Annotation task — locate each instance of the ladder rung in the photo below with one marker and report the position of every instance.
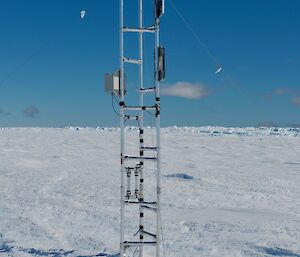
(143, 204)
(148, 207)
(133, 61)
(139, 108)
(133, 117)
(147, 90)
(126, 243)
(140, 158)
(148, 148)
(140, 30)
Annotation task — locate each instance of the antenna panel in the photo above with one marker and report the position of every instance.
(159, 8)
(161, 63)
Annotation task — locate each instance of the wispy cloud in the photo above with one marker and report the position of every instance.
(266, 96)
(186, 90)
(285, 91)
(31, 111)
(4, 112)
(292, 93)
(296, 100)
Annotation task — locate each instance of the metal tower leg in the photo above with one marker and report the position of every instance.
(141, 137)
(157, 101)
(122, 191)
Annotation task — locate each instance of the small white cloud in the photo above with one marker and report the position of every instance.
(186, 90)
(296, 100)
(31, 111)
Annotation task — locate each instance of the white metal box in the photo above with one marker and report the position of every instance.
(112, 83)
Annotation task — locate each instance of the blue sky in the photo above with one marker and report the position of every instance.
(52, 62)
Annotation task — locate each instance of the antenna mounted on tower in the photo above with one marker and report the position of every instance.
(159, 8)
(161, 63)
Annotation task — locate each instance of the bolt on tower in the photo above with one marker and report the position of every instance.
(134, 172)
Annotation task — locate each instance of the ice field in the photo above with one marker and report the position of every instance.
(227, 192)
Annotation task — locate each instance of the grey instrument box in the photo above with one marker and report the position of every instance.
(112, 83)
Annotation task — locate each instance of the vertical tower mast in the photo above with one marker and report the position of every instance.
(134, 167)
(122, 124)
(157, 102)
(141, 123)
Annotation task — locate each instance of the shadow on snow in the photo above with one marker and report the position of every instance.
(276, 251)
(4, 248)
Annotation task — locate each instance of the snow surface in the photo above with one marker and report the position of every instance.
(60, 191)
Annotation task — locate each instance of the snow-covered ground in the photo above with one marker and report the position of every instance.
(226, 191)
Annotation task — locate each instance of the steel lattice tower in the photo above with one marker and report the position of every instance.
(132, 167)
